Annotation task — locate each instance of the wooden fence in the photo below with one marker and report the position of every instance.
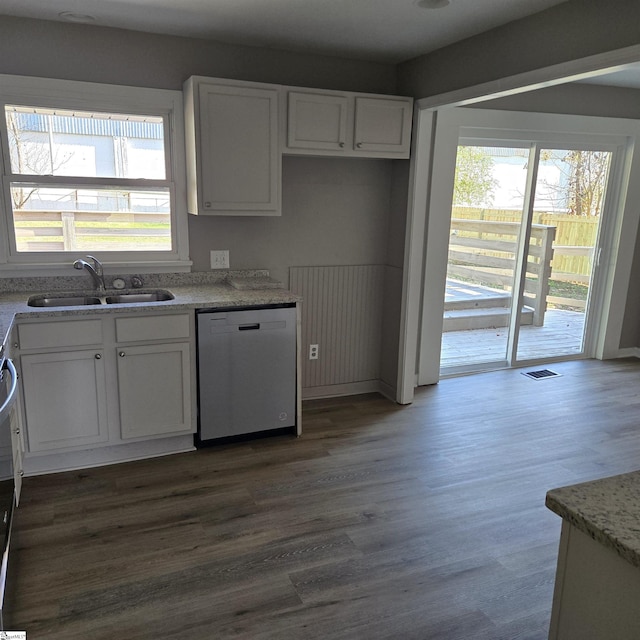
(92, 230)
(485, 251)
(575, 236)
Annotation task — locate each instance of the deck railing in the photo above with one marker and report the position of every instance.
(484, 251)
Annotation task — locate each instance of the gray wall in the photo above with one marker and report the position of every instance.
(568, 31)
(335, 212)
(116, 56)
(393, 275)
(576, 99)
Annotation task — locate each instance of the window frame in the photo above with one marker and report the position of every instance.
(100, 98)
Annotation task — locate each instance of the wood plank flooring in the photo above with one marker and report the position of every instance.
(381, 522)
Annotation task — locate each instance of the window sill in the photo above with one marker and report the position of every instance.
(116, 267)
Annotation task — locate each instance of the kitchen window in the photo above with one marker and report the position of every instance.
(106, 180)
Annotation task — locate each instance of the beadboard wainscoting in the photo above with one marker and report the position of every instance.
(342, 312)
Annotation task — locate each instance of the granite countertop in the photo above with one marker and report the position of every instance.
(191, 291)
(607, 510)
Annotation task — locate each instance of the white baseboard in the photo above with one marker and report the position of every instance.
(337, 390)
(628, 352)
(38, 464)
(388, 391)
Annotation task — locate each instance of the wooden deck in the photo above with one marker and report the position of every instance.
(561, 335)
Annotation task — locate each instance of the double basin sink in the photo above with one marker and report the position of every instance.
(78, 299)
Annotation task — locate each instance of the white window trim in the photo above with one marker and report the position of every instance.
(88, 96)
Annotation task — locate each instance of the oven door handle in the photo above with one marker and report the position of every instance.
(6, 406)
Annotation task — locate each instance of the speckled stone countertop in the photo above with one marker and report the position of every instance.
(192, 291)
(607, 510)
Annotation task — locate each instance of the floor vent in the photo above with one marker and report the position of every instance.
(541, 374)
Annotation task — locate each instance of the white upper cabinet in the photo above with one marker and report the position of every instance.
(383, 125)
(233, 155)
(348, 124)
(317, 121)
(236, 133)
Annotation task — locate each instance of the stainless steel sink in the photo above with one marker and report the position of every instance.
(158, 295)
(62, 300)
(82, 299)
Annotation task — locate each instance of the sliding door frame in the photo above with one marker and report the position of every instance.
(617, 248)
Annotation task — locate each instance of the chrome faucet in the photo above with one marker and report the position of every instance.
(95, 270)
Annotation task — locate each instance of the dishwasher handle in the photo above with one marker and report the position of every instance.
(249, 327)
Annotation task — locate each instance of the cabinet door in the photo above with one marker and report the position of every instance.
(239, 159)
(383, 125)
(154, 384)
(317, 121)
(65, 399)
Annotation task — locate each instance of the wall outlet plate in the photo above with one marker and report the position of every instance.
(220, 259)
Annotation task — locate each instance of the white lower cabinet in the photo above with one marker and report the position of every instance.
(154, 388)
(65, 399)
(134, 385)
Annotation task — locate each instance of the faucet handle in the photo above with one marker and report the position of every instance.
(97, 265)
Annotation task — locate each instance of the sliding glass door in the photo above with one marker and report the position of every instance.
(523, 238)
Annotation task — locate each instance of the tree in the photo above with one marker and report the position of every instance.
(583, 180)
(32, 153)
(474, 184)
(587, 181)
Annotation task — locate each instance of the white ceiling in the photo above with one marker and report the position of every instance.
(380, 30)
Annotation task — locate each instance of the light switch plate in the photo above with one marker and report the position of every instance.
(220, 259)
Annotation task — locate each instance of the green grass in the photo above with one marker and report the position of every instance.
(571, 290)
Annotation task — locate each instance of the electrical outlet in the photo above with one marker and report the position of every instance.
(313, 352)
(220, 259)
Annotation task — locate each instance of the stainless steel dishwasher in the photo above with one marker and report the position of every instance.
(246, 371)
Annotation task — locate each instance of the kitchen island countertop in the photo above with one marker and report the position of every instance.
(607, 510)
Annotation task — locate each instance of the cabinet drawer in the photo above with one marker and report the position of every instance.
(69, 333)
(166, 327)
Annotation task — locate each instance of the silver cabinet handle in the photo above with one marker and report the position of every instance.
(122, 354)
(207, 204)
(359, 145)
(341, 145)
(98, 356)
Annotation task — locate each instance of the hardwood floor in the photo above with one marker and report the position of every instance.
(420, 522)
